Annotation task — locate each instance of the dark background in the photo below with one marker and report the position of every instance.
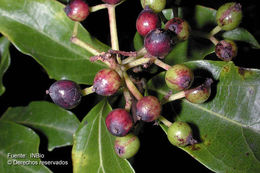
(26, 81)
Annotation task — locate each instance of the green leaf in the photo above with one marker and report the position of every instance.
(57, 124)
(204, 16)
(17, 139)
(241, 34)
(4, 60)
(41, 29)
(228, 125)
(93, 149)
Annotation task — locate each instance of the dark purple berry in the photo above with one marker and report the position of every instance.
(111, 1)
(179, 26)
(106, 82)
(148, 108)
(179, 77)
(119, 122)
(127, 146)
(159, 42)
(226, 50)
(147, 21)
(77, 10)
(65, 93)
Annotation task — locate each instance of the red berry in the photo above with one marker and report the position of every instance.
(119, 122)
(159, 42)
(179, 26)
(148, 108)
(111, 1)
(65, 93)
(226, 50)
(147, 21)
(106, 82)
(77, 10)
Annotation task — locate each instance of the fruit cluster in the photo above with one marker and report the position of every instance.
(158, 42)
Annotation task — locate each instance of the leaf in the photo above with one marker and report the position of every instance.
(41, 29)
(241, 34)
(57, 124)
(93, 149)
(26, 143)
(228, 125)
(204, 16)
(4, 60)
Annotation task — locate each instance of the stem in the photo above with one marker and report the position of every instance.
(132, 88)
(139, 53)
(113, 29)
(128, 100)
(87, 91)
(84, 45)
(165, 121)
(98, 7)
(137, 62)
(213, 40)
(215, 30)
(75, 29)
(177, 96)
(162, 64)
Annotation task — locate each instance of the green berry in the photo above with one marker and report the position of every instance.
(180, 134)
(226, 50)
(156, 5)
(127, 146)
(179, 77)
(199, 94)
(229, 16)
(180, 27)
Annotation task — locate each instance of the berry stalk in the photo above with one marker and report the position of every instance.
(98, 7)
(132, 88)
(87, 91)
(84, 45)
(164, 121)
(215, 30)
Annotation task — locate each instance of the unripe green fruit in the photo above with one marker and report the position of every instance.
(180, 27)
(180, 134)
(127, 146)
(179, 77)
(156, 5)
(199, 94)
(229, 16)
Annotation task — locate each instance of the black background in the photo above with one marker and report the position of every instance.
(26, 81)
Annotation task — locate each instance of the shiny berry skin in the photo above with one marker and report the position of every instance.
(229, 16)
(180, 134)
(77, 10)
(179, 26)
(179, 77)
(159, 42)
(199, 94)
(119, 122)
(226, 50)
(147, 21)
(148, 108)
(127, 146)
(156, 5)
(111, 1)
(65, 93)
(106, 82)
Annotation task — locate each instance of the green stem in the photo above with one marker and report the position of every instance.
(87, 91)
(132, 88)
(137, 63)
(140, 53)
(215, 30)
(128, 100)
(162, 64)
(213, 40)
(165, 121)
(177, 96)
(75, 29)
(84, 45)
(98, 7)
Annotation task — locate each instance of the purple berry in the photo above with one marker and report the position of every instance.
(147, 21)
(119, 122)
(179, 26)
(226, 50)
(111, 1)
(106, 82)
(148, 108)
(65, 93)
(159, 42)
(77, 10)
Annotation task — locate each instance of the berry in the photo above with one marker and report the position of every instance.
(226, 50)
(179, 77)
(65, 93)
(119, 122)
(229, 16)
(179, 26)
(148, 108)
(156, 5)
(180, 134)
(77, 10)
(106, 82)
(199, 94)
(127, 146)
(111, 1)
(159, 42)
(147, 21)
